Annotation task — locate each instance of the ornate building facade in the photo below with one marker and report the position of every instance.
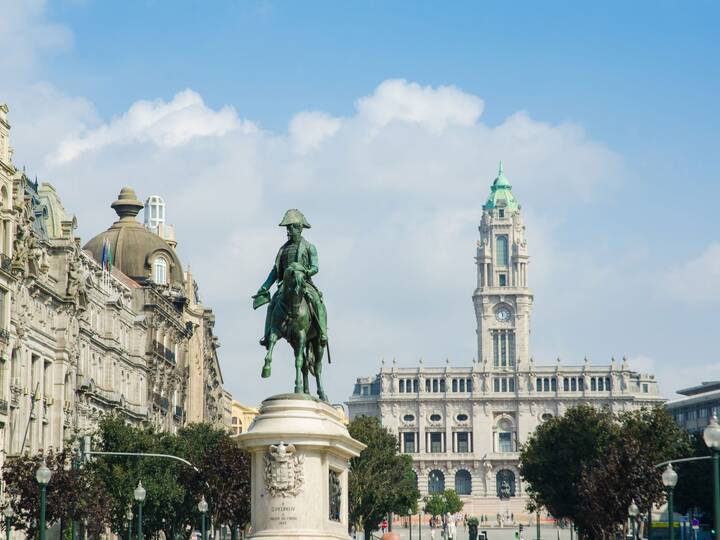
(114, 327)
(463, 426)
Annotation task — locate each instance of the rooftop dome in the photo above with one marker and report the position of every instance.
(501, 193)
(135, 251)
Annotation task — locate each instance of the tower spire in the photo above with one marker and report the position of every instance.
(500, 169)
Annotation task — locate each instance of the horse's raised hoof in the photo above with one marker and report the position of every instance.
(266, 371)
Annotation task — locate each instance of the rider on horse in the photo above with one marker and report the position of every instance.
(295, 250)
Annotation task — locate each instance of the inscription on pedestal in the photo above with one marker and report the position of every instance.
(283, 514)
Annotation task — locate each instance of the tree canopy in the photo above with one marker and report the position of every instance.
(439, 504)
(381, 480)
(588, 465)
(100, 492)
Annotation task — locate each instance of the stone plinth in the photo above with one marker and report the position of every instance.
(300, 450)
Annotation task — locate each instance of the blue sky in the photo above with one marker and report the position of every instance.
(614, 158)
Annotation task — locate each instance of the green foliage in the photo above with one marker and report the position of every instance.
(381, 480)
(173, 489)
(694, 488)
(453, 504)
(70, 494)
(589, 464)
(435, 505)
(439, 504)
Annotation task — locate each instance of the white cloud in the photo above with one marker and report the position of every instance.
(642, 363)
(698, 280)
(432, 108)
(164, 124)
(308, 129)
(26, 36)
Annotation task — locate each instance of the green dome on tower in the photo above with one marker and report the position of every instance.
(501, 193)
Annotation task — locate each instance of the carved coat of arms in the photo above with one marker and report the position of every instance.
(284, 476)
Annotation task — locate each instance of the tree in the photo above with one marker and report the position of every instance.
(694, 487)
(439, 504)
(381, 480)
(589, 465)
(553, 459)
(71, 494)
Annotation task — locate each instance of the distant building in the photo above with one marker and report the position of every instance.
(242, 417)
(463, 426)
(693, 412)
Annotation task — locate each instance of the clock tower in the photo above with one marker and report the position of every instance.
(502, 298)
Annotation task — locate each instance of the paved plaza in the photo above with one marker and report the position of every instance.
(547, 532)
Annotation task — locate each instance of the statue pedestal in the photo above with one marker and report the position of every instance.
(300, 450)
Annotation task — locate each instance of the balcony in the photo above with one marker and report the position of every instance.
(4, 335)
(162, 402)
(3, 406)
(162, 352)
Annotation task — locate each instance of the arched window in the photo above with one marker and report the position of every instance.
(160, 271)
(463, 482)
(501, 250)
(436, 482)
(505, 482)
(505, 436)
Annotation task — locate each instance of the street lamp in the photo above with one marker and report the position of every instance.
(712, 440)
(202, 508)
(43, 476)
(129, 517)
(669, 480)
(139, 494)
(9, 514)
(633, 511)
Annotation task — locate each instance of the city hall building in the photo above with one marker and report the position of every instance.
(463, 426)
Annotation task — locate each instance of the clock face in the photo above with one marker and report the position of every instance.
(503, 314)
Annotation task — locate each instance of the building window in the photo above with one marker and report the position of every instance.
(566, 384)
(505, 481)
(503, 348)
(573, 384)
(454, 385)
(160, 271)
(505, 442)
(501, 246)
(463, 482)
(463, 442)
(436, 442)
(402, 386)
(427, 385)
(435, 385)
(503, 280)
(501, 212)
(553, 384)
(234, 420)
(409, 446)
(435, 417)
(436, 482)
(415, 385)
(645, 388)
(504, 384)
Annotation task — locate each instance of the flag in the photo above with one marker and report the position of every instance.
(109, 258)
(103, 258)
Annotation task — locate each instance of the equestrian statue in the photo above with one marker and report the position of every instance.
(296, 311)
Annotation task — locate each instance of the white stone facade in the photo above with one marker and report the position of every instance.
(463, 426)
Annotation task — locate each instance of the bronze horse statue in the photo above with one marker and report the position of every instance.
(293, 320)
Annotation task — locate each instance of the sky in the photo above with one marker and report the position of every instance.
(384, 123)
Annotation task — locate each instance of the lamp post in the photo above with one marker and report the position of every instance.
(42, 476)
(129, 517)
(9, 514)
(202, 508)
(76, 467)
(669, 480)
(712, 440)
(633, 511)
(139, 494)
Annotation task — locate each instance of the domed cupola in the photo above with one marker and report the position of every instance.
(133, 249)
(501, 193)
